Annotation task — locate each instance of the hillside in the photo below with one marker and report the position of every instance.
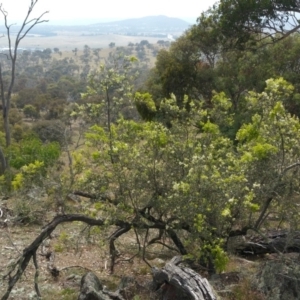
(151, 25)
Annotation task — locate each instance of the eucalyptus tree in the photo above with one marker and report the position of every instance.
(6, 90)
(241, 23)
(112, 84)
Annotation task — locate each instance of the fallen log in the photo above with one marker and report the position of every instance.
(173, 282)
(176, 281)
(276, 241)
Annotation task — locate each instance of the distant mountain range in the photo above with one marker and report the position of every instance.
(150, 21)
(152, 26)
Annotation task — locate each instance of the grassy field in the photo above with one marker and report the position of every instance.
(103, 54)
(67, 41)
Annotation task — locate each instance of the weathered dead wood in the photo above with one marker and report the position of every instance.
(179, 282)
(28, 253)
(92, 289)
(277, 241)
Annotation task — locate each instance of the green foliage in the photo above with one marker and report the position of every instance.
(154, 160)
(29, 174)
(26, 96)
(215, 252)
(51, 131)
(58, 247)
(63, 243)
(190, 173)
(19, 131)
(30, 150)
(113, 85)
(199, 63)
(241, 20)
(181, 71)
(15, 117)
(69, 294)
(30, 111)
(145, 105)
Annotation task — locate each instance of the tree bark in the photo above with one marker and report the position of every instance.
(178, 282)
(3, 162)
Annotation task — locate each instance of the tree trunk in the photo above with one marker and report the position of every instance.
(6, 125)
(3, 162)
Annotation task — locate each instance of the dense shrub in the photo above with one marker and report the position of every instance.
(51, 131)
(32, 149)
(31, 112)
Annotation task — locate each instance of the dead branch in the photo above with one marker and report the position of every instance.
(112, 247)
(36, 276)
(26, 26)
(29, 252)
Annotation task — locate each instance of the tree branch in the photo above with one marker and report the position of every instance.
(30, 251)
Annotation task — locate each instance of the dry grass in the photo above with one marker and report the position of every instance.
(67, 41)
(76, 251)
(245, 291)
(237, 264)
(245, 270)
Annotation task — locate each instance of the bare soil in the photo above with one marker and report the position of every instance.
(76, 251)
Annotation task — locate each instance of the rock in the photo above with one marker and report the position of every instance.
(222, 281)
(70, 277)
(280, 280)
(157, 262)
(32, 295)
(92, 289)
(73, 198)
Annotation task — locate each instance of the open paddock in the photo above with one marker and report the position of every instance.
(67, 41)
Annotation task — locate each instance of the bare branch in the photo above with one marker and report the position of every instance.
(28, 252)
(112, 248)
(297, 164)
(166, 245)
(36, 21)
(36, 276)
(269, 199)
(144, 249)
(26, 26)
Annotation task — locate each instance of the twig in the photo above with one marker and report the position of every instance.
(137, 239)
(28, 252)
(36, 276)
(144, 248)
(167, 246)
(79, 237)
(128, 259)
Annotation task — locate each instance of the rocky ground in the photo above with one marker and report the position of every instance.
(75, 250)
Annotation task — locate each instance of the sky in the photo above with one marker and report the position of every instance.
(107, 10)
